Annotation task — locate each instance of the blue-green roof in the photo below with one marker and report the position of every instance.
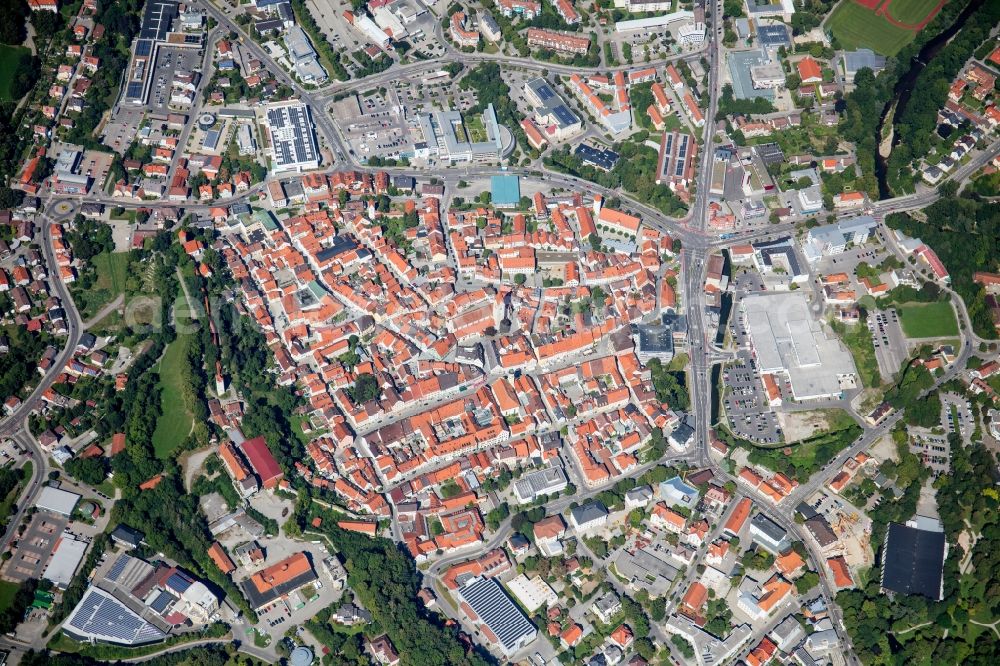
(505, 190)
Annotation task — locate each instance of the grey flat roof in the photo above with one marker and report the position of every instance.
(786, 337)
(57, 500)
(740, 63)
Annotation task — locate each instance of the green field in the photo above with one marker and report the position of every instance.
(9, 56)
(911, 11)
(928, 320)
(111, 271)
(7, 592)
(857, 27)
(176, 422)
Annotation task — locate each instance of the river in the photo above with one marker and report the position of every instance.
(904, 87)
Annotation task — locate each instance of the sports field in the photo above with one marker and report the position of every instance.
(857, 27)
(928, 320)
(910, 12)
(9, 57)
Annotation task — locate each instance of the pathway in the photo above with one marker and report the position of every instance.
(105, 311)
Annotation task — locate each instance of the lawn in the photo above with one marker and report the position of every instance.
(857, 27)
(476, 129)
(928, 320)
(112, 272)
(7, 592)
(176, 422)
(911, 11)
(858, 340)
(9, 56)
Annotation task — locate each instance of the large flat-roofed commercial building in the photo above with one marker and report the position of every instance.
(303, 57)
(543, 482)
(293, 143)
(65, 560)
(457, 139)
(913, 561)
(551, 112)
(787, 339)
(833, 239)
(57, 501)
(501, 621)
(157, 18)
(853, 62)
(101, 617)
(655, 341)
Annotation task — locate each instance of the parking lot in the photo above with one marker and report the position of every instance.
(888, 340)
(749, 414)
(35, 547)
(169, 61)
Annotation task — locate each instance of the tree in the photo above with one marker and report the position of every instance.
(806, 582)
(92, 470)
(366, 387)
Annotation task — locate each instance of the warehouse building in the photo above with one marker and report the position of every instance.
(786, 339)
(499, 618)
(913, 561)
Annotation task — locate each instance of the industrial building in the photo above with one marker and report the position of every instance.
(913, 561)
(501, 621)
(293, 142)
(786, 339)
(101, 617)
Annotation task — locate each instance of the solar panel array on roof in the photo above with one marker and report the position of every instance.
(605, 159)
(292, 137)
(544, 92)
(178, 582)
(913, 561)
(157, 18)
(212, 139)
(773, 35)
(682, 152)
(143, 47)
(101, 616)
(501, 615)
(564, 115)
(161, 602)
(117, 568)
